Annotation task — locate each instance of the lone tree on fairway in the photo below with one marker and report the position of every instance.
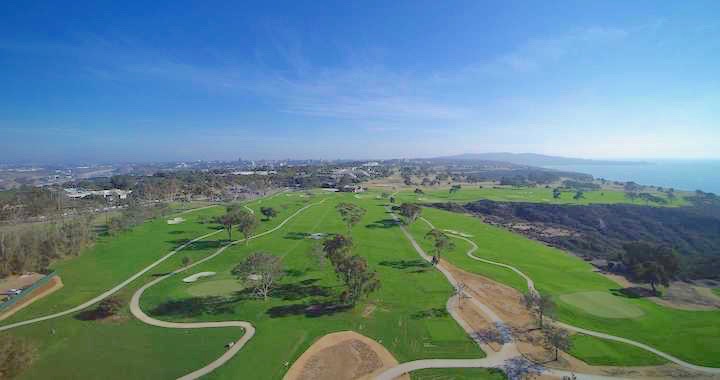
(247, 223)
(350, 213)
(410, 212)
(336, 247)
(578, 195)
(556, 339)
(556, 193)
(440, 241)
(352, 270)
(392, 199)
(261, 271)
(651, 264)
(230, 219)
(418, 191)
(268, 212)
(539, 306)
(454, 189)
(186, 260)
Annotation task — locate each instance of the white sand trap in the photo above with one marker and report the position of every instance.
(318, 235)
(177, 220)
(196, 276)
(254, 277)
(458, 233)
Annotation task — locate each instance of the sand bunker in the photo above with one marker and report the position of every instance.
(342, 355)
(196, 276)
(177, 220)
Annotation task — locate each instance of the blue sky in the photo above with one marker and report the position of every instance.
(141, 81)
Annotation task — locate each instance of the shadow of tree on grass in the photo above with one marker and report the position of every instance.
(310, 310)
(383, 223)
(193, 307)
(405, 264)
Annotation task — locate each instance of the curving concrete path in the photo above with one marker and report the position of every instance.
(493, 359)
(118, 287)
(532, 289)
(137, 311)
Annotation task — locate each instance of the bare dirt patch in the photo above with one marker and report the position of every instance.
(19, 281)
(54, 284)
(342, 355)
(507, 303)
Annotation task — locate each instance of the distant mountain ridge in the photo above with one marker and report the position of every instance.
(534, 159)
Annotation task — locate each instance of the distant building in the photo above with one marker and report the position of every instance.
(79, 193)
(351, 189)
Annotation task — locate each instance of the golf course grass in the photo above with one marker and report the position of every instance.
(224, 287)
(525, 194)
(458, 374)
(693, 336)
(596, 351)
(602, 304)
(402, 314)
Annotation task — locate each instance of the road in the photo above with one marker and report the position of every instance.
(248, 328)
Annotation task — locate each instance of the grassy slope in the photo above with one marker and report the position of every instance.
(716, 291)
(405, 293)
(523, 194)
(129, 349)
(690, 335)
(604, 352)
(82, 349)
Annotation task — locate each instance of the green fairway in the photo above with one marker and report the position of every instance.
(299, 312)
(525, 194)
(596, 351)
(602, 304)
(458, 374)
(397, 315)
(693, 336)
(214, 288)
(716, 291)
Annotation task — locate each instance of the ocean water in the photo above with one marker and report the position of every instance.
(682, 175)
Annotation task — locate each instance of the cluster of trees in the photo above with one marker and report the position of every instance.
(351, 214)
(409, 212)
(351, 269)
(236, 216)
(35, 247)
(49, 202)
(650, 264)
(134, 215)
(16, 355)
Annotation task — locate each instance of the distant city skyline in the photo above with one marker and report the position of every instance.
(184, 81)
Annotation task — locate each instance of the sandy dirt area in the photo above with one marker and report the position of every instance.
(54, 284)
(342, 355)
(507, 303)
(20, 281)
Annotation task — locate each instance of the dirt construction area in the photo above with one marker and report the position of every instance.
(508, 304)
(54, 284)
(342, 355)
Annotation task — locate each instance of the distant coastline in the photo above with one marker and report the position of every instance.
(687, 175)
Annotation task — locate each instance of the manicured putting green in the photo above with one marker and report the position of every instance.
(602, 305)
(215, 288)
